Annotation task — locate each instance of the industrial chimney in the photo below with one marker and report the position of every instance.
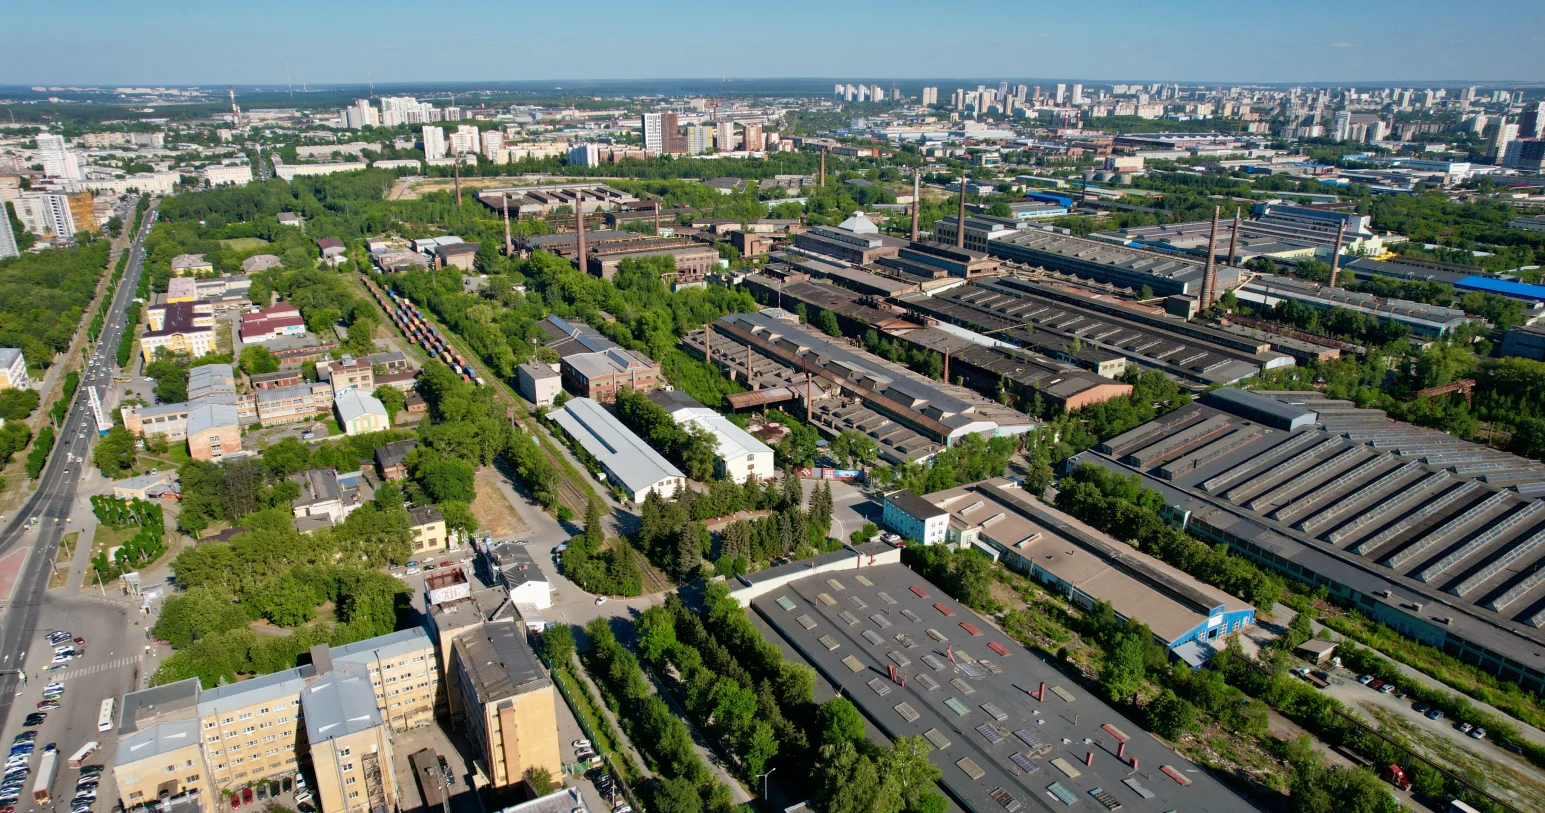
(1335, 259)
(1233, 240)
(1210, 273)
(917, 200)
(960, 221)
(579, 232)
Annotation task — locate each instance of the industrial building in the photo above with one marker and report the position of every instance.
(1045, 317)
(1424, 321)
(1439, 538)
(909, 417)
(1103, 262)
(859, 248)
(624, 458)
(544, 199)
(1008, 731)
(1086, 566)
(1525, 342)
(601, 375)
(1276, 230)
(738, 455)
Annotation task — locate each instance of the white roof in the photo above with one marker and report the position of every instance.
(734, 442)
(625, 455)
(353, 403)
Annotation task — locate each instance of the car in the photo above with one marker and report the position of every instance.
(1435, 714)
(1464, 728)
(413, 563)
(26, 736)
(87, 794)
(580, 744)
(305, 807)
(1301, 671)
(246, 795)
(584, 755)
(1478, 733)
(302, 796)
(235, 801)
(1421, 708)
(57, 667)
(54, 687)
(80, 641)
(1365, 679)
(399, 575)
(48, 705)
(62, 657)
(84, 786)
(412, 570)
(1388, 688)
(599, 600)
(300, 780)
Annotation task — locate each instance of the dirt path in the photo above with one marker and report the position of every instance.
(495, 515)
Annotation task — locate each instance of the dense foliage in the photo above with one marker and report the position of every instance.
(44, 296)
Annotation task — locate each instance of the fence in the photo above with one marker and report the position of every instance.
(618, 775)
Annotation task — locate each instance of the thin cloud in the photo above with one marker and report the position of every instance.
(1338, 45)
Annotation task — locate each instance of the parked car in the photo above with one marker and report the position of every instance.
(1388, 688)
(1365, 679)
(1464, 728)
(1435, 714)
(1421, 708)
(580, 743)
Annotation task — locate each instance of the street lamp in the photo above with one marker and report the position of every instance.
(765, 797)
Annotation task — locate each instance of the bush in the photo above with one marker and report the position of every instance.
(39, 454)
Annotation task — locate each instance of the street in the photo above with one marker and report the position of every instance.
(29, 612)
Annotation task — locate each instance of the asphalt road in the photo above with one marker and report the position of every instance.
(106, 669)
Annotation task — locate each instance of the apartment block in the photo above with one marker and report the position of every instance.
(508, 700)
(13, 369)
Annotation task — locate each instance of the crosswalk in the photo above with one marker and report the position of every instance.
(116, 663)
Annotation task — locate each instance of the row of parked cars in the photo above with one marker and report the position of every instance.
(1430, 711)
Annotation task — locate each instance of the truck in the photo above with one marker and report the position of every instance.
(1396, 776)
(79, 758)
(1456, 806)
(46, 772)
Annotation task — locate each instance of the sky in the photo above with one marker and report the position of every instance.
(334, 42)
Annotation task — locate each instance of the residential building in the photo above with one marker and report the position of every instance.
(508, 702)
(626, 460)
(654, 132)
(214, 431)
(181, 327)
(434, 143)
(58, 160)
(324, 496)
(391, 459)
(538, 383)
(585, 155)
(13, 369)
(301, 402)
(930, 96)
(191, 265)
(360, 413)
(226, 174)
(914, 518)
(347, 373)
(46, 213)
(428, 526)
(8, 246)
(600, 375)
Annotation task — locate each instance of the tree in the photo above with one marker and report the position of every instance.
(689, 549)
(839, 721)
(458, 516)
(393, 399)
(827, 322)
(257, 360)
(1170, 715)
(114, 453)
(907, 764)
(1123, 671)
(678, 795)
(442, 478)
(558, 644)
(1000, 209)
(540, 780)
(595, 531)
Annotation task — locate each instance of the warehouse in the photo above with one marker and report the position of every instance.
(1424, 321)
(1086, 566)
(625, 459)
(1522, 291)
(1008, 731)
(1442, 539)
(1103, 262)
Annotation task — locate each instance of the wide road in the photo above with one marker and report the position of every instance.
(55, 496)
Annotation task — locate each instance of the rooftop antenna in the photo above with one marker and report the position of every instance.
(287, 82)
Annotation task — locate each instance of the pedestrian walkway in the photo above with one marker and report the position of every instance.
(116, 663)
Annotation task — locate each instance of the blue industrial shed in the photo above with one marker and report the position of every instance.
(1503, 287)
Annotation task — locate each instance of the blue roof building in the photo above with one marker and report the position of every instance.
(1503, 287)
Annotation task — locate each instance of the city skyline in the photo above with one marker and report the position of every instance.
(354, 43)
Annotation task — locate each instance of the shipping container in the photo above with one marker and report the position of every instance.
(79, 757)
(46, 771)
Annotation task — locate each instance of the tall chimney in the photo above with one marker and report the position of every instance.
(708, 342)
(1210, 274)
(1233, 240)
(657, 218)
(456, 169)
(823, 166)
(579, 232)
(749, 385)
(916, 200)
(508, 247)
(960, 221)
(808, 408)
(946, 364)
(1335, 259)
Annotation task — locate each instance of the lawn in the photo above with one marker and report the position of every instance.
(244, 243)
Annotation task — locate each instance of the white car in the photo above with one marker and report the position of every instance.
(599, 600)
(580, 744)
(412, 570)
(61, 658)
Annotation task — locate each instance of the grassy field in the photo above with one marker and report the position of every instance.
(1498, 775)
(244, 243)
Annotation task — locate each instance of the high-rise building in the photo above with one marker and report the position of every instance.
(56, 157)
(361, 114)
(724, 136)
(7, 234)
(876, 93)
(1062, 93)
(466, 139)
(751, 138)
(930, 96)
(46, 213)
(1532, 123)
(451, 113)
(584, 155)
(1506, 133)
(493, 142)
(1078, 94)
(958, 99)
(673, 142)
(699, 139)
(434, 143)
(1343, 125)
(654, 139)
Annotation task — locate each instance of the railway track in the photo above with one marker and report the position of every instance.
(569, 494)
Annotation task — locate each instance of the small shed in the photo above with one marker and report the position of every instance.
(1317, 651)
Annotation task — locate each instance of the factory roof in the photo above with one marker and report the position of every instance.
(615, 361)
(1103, 253)
(1508, 288)
(968, 691)
(733, 442)
(623, 453)
(569, 337)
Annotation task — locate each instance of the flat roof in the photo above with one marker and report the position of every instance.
(157, 702)
(624, 454)
(239, 695)
(971, 701)
(500, 661)
(914, 505)
(340, 703)
(389, 645)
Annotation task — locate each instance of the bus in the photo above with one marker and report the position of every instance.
(105, 716)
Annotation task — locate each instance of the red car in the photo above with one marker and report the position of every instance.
(235, 801)
(246, 795)
(1376, 684)
(79, 640)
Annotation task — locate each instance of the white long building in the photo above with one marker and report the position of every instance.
(625, 459)
(738, 454)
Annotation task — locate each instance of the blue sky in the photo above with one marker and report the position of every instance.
(329, 42)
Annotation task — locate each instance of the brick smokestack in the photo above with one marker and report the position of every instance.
(1233, 240)
(960, 220)
(1210, 273)
(809, 390)
(917, 200)
(708, 342)
(579, 231)
(508, 247)
(657, 218)
(749, 385)
(823, 166)
(1335, 259)
(946, 379)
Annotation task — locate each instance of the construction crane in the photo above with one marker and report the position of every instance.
(1464, 386)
